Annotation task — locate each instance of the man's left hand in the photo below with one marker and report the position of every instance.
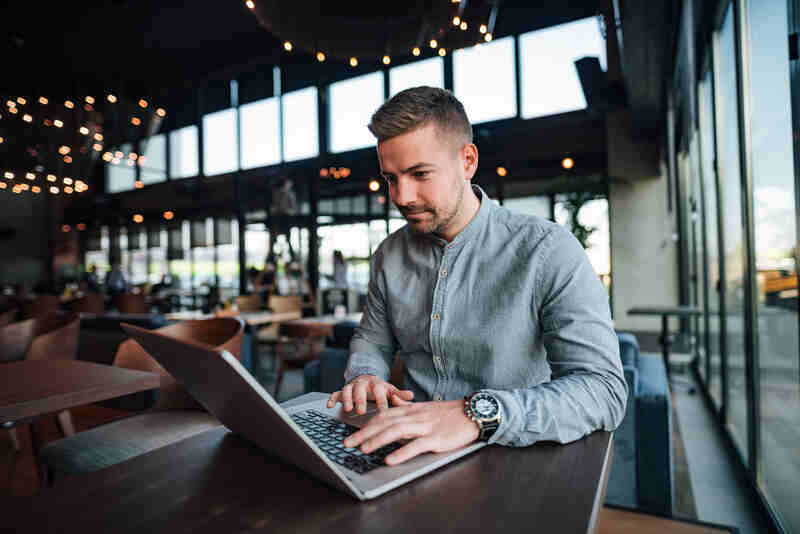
(432, 427)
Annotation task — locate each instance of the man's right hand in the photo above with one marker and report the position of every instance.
(362, 388)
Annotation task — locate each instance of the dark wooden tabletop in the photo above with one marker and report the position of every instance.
(35, 387)
(218, 482)
(679, 311)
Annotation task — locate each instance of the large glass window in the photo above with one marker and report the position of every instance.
(352, 103)
(353, 242)
(183, 153)
(426, 72)
(708, 155)
(153, 168)
(219, 142)
(261, 142)
(535, 205)
(300, 124)
(121, 176)
(484, 80)
(774, 213)
(549, 80)
(731, 209)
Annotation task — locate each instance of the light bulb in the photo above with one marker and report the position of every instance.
(456, 21)
(353, 62)
(434, 43)
(111, 98)
(415, 51)
(320, 56)
(386, 60)
(482, 28)
(287, 45)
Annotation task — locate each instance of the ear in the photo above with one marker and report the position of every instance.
(469, 159)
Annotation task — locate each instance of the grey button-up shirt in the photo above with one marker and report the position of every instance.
(511, 305)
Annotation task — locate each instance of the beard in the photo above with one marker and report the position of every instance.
(440, 218)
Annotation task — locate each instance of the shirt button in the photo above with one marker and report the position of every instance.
(435, 316)
(444, 272)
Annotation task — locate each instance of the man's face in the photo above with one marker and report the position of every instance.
(428, 173)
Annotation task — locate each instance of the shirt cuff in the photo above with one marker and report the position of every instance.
(511, 419)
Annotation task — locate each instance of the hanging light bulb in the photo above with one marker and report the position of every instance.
(57, 123)
(51, 177)
(21, 101)
(27, 118)
(320, 56)
(138, 218)
(386, 60)
(84, 130)
(9, 175)
(456, 21)
(67, 180)
(36, 189)
(3, 185)
(463, 25)
(69, 104)
(43, 101)
(90, 100)
(434, 43)
(168, 215)
(353, 62)
(64, 150)
(142, 103)
(482, 28)
(30, 176)
(139, 184)
(487, 37)
(442, 52)
(287, 45)
(97, 147)
(67, 159)
(415, 51)
(567, 163)
(136, 121)
(374, 185)
(98, 137)
(250, 4)
(54, 190)
(160, 112)
(81, 227)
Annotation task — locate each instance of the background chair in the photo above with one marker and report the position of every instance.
(89, 303)
(38, 306)
(300, 344)
(130, 303)
(168, 416)
(252, 302)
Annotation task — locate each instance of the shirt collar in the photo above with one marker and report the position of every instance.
(473, 227)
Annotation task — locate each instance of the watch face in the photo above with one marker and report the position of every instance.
(485, 406)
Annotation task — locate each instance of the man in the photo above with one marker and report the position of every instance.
(478, 302)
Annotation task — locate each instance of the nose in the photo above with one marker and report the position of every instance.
(403, 192)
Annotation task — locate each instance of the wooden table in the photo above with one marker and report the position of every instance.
(36, 387)
(323, 324)
(218, 482)
(253, 318)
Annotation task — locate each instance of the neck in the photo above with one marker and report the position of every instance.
(469, 208)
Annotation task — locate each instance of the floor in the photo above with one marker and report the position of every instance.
(719, 495)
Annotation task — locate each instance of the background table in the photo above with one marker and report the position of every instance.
(36, 387)
(218, 482)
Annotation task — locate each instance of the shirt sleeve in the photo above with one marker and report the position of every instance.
(587, 391)
(374, 345)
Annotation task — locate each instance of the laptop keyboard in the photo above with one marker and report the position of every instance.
(328, 434)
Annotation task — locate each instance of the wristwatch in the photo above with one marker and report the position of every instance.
(484, 409)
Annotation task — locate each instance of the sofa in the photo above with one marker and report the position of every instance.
(641, 470)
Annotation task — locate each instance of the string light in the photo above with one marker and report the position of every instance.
(57, 123)
(108, 156)
(36, 189)
(456, 21)
(463, 25)
(30, 176)
(320, 56)
(386, 60)
(118, 154)
(51, 177)
(501, 171)
(3, 185)
(65, 228)
(21, 101)
(353, 62)
(98, 137)
(133, 156)
(48, 122)
(136, 121)
(567, 163)
(482, 28)
(13, 111)
(168, 215)
(54, 190)
(111, 98)
(142, 103)
(442, 52)
(11, 103)
(27, 118)
(69, 104)
(138, 218)
(287, 45)
(250, 4)
(374, 185)
(81, 227)
(90, 100)
(67, 159)
(139, 184)
(68, 180)
(68, 190)
(160, 112)
(84, 130)
(434, 43)
(1, 140)
(43, 101)
(415, 51)
(487, 37)
(63, 150)
(97, 147)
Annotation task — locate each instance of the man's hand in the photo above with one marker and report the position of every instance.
(369, 387)
(432, 427)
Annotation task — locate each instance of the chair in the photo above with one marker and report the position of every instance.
(8, 316)
(38, 306)
(308, 340)
(89, 303)
(130, 303)
(270, 334)
(171, 416)
(252, 302)
(15, 338)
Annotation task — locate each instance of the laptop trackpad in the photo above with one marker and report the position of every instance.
(357, 420)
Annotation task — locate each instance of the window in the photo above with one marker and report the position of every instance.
(426, 72)
(775, 237)
(300, 124)
(183, 153)
(260, 131)
(352, 103)
(484, 80)
(154, 167)
(549, 80)
(120, 176)
(536, 205)
(219, 142)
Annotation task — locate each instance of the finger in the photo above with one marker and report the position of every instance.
(381, 393)
(377, 424)
(334, 398)
(405, 394)
(411, 450)
(394, 433)
(360, 396)
(347, 397)
(397, 400)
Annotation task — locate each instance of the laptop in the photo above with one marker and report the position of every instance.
(308, 435)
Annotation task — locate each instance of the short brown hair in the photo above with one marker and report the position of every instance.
(416, 107)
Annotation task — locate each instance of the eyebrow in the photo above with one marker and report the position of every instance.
(414, 167)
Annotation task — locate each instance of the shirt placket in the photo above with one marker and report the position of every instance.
(437, 313)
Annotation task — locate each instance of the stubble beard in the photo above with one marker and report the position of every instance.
(441, 218)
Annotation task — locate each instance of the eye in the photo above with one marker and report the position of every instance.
(421, 174)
